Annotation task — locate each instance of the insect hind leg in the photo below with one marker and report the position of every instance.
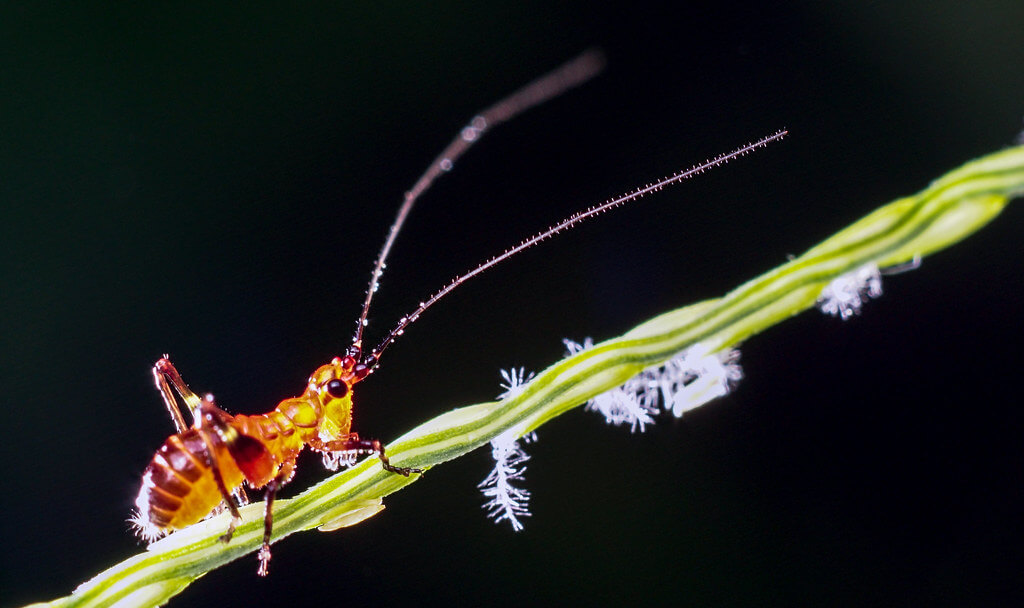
(164, 370)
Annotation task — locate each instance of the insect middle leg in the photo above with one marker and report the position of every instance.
(268, 515)
(206, 417)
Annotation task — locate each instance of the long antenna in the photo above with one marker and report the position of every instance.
(565, 224)
(563, 78)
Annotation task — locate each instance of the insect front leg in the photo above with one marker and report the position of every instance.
(352, 443)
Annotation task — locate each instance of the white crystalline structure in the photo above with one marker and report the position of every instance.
(140, 521)
(515, 381)
(844, 297)
(627, 404)
(695, 377)
(507, 501)
(686, 381)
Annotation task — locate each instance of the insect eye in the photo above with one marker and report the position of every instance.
(337, 389)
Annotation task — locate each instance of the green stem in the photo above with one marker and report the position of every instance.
(951, 208)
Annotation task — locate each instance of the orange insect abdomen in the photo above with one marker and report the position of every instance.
(178, 487)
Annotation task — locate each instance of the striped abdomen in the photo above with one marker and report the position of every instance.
(178, 487)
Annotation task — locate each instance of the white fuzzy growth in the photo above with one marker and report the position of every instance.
(686, 381)
(515, 381)
(628, 404)
(844, 297)
(695, 377)
(140, 521)
(506, 501)
(622, 406)
(144, 528)
(572, 347)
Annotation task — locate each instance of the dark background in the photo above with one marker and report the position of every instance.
(215, 184)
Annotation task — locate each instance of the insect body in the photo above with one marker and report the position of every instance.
(201, 466)
(207, 464)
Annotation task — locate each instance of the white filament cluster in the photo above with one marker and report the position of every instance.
(844, 297)
(693, 378)
(140, 521)
(628, 404)
(688, 380)
(507, 501)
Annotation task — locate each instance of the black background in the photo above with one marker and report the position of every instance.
(215, 183)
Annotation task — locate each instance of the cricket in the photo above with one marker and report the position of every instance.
(204, 467)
